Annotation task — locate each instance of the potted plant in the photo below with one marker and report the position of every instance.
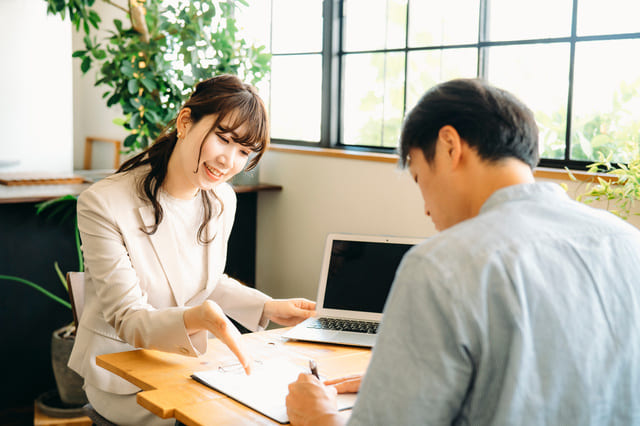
(68, 383)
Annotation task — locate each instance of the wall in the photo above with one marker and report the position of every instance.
(322, 195)
(35, 88)
(91, 117)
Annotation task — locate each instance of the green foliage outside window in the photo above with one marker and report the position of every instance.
(150, 62)
(598, 136)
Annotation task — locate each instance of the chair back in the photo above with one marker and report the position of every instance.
(75, 282)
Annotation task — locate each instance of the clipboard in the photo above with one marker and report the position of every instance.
(265, 389)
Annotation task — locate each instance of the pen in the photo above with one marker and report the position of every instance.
(313, 366)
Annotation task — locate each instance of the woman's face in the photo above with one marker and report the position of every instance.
(221, 159)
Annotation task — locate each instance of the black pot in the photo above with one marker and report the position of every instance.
(69, 383)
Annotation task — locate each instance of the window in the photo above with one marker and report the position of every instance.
(344, 73)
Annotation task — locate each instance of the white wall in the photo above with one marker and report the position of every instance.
(35, 88)
(91, 117)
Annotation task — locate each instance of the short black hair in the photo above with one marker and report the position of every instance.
(491, 120)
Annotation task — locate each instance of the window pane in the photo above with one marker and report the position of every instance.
(372, 99)
(606, 99)
(437, 22)
(374, 24)
(537, 75)
(296, 83)
(254, 24)
(297, 26)
(517, 20)
(608, 17)
(430, 67)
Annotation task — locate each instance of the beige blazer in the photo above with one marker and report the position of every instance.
(133, 294)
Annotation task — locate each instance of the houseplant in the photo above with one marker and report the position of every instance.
(619, 193)
(149, 64)
(68, 383)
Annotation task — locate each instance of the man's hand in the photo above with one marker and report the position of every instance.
(349, 384)
(310, 403)
(209, 316)
(288, 311)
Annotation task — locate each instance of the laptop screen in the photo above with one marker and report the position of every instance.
(361, 273)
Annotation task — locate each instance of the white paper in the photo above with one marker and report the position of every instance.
(265, 389)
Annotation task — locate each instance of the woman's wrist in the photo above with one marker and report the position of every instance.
(266, 313)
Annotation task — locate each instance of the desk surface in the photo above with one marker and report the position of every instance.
(168, 390)
(38, 193)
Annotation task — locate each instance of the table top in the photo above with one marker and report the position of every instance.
(38, 193)
(169, 391)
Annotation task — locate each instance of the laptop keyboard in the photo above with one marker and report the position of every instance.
(368, 327)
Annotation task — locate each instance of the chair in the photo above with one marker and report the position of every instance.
(75, 283)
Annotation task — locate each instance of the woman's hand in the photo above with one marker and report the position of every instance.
(209, 316)
(288, 311)
(348, 384)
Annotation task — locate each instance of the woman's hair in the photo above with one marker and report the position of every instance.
(235, 103)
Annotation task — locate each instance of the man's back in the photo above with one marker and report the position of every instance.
(528, 313)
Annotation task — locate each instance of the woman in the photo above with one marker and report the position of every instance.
(154, 238)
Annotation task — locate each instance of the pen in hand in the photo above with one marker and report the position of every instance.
(313, 366)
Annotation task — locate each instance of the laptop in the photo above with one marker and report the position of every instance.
(355, 279)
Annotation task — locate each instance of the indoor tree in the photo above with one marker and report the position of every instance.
(151, 60)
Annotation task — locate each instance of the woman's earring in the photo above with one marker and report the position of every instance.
(179, 135)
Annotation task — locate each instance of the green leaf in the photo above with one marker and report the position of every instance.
(99, 54)
(78, 53)
(149, 84)
(130, 140)
(133, 86)
(86, 64)
(113, 100)
(37, 287)
(135, 121)
(119, 121)
(151, 114)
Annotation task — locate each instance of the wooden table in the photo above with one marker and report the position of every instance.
(168, 390)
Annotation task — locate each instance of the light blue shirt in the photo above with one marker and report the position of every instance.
(527, 314)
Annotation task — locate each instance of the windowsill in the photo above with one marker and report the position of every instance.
(539, 172)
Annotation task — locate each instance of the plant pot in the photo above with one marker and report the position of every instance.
(69, 383)
(49, 404)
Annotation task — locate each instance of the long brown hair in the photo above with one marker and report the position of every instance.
(228, 97)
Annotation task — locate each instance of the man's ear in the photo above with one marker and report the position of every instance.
(451, 144)
(184, 120)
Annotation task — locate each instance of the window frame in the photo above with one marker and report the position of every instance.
(332, 75)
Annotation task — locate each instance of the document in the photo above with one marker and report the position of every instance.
(265, 389)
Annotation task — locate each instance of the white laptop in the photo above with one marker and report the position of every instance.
(355, 279)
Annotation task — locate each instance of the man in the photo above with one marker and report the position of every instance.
(524, 309)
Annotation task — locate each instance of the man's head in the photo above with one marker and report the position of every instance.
(490, 120)
(463, 141)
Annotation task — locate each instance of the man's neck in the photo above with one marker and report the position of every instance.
(486, 178)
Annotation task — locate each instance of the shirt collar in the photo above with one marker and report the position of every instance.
(538, 190)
